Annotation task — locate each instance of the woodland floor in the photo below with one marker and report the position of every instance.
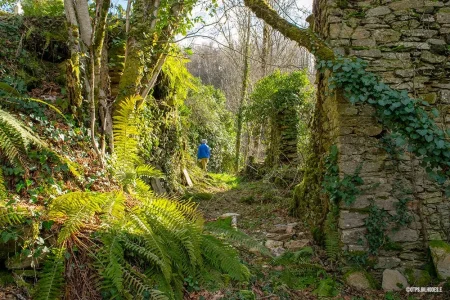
(262, 205)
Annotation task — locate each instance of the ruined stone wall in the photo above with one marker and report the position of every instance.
(407, 43)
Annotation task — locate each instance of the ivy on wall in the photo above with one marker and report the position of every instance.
(400, 113)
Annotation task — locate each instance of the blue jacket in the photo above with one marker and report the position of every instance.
(203, 151)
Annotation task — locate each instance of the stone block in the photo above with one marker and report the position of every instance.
(348, 220)
(406, 4)
(430, 97)
(393, 280)
(444, 96)
(443, 16)
(440, 253)
(404, 235)
(413, 45)
(296, 245)
(353, 236)
(273, 244)
(364, 43)
(420, 33)
(346, 32)
(278, 228)
(386, 35)
(387, 263)
(360, 33)
(358, 280)
(279, 237)
(334, 30)
(370, 130)
(405, 73)
(429, 57)
(378, 11)
(371, 53)
(404, 25)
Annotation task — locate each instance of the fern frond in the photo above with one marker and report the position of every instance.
(114, 205)
(142, 189)
(9, 90)
(332, 240)
(110, 259)
(222, 228)
(125, 133)
(3, 192)
(140, 284)
(143, 252)
(51, 282)
(223, 257)
(12, 215)
(76, 209)
(148, 171)
(15, 138)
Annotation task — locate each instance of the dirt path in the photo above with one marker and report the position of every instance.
(263, 210)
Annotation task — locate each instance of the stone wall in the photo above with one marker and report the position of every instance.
(407, 43)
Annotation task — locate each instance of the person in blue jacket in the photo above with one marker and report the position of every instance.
(203, 154)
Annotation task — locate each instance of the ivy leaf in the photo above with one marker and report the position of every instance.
(422, 151)
(435, 112)
(440, 144)
(422, 132)
(405, 101)
(428, 138)
(379, 87)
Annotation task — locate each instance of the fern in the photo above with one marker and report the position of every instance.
(128, 166)
(223, 257)
(15, 138)
(222, 228)
(77, 209)
(332, 240)
(9, 90)
(3, 192)
(12, 215)
(125, 133)
(51, 282)
(110, 258)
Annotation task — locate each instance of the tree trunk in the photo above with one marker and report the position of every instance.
(304, 37)
(74, 85)
(245, 79)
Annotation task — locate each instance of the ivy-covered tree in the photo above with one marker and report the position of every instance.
(149, 27)
(283, 99)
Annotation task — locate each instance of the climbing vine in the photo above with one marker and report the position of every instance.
(340, 190)
(400, 113)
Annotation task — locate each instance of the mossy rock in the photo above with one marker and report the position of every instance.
(417, 277)
(360, 279)
(440, 253)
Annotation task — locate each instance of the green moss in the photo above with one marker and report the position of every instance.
(440, 244)
(6, 278)
(372, 282)
(198, 196)
(393, 246)
(418, 277)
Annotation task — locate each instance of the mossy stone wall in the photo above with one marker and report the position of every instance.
(407, 44)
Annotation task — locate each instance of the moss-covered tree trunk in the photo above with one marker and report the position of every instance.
(304, 37)
(245, 80)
